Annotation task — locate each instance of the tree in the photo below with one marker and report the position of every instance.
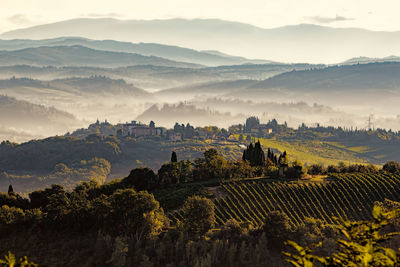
(136, 214)
(198, 215)
(11, 215)
(276, 228)
(315, 169)
(296, 170)
(141, 179)
(169, 173)
(333, 169)
(254, 154)
(251, 122)
(174, 157)
(283, 160)
(10, 189)
(392, 167)
(214, 164)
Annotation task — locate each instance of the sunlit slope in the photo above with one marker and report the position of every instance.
(346, 195)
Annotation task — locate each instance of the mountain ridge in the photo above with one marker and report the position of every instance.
(81, 56)
(170, 52)
(294, 43)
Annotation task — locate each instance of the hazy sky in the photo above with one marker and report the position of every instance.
(370, 14)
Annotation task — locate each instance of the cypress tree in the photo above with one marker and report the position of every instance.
(174, 158)
(254, 154)
(10, 189)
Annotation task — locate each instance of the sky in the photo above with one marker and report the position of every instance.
(369, 14)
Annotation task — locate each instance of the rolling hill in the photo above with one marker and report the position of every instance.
(22, 120)
(176, 53)
(361, 76)
(339, 78)
(298, 43)
(366, 60)
(152, 77)
(93, 85)
(80, 56)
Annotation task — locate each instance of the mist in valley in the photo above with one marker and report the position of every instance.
(54, 86)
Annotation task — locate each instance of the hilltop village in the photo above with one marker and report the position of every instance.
(179, 132)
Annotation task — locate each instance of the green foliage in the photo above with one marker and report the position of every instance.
(361, 244)
(277, 229)
(135, 214)
(198, 215)
(254, 154)
(67, 175)
(44, 154)
(11, 215)
(173, 197)
(141, 179)
(211, 167)
(169, 173)
(251, 122)
(315, 169)
(296, 170)
(392, 167)
(305, 257)
(11, 261)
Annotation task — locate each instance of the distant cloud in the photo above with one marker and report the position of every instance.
(105, 15)
(19, 19)
(327, 20)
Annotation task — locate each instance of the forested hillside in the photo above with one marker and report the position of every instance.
(192, 217)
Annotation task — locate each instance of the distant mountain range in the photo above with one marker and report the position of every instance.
(81, 56)
(364, 76)
(334, 78)
(208, 58)
(152, 77)
(299, 43)
(366, 60)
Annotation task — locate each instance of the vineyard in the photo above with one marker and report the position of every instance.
(349, 196)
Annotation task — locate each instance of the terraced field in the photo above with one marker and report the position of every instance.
(344, 195)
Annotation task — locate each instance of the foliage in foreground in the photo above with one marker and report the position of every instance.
(11, 261)
(361, 245)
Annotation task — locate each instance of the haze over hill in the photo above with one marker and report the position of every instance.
(210, 58)
(87, 98)
(299, 43)
(359, 77)
(80, 56)
(153, 78)
(21, 120)
(366, 60)
(167, 115)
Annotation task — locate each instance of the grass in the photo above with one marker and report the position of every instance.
(312, 151)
